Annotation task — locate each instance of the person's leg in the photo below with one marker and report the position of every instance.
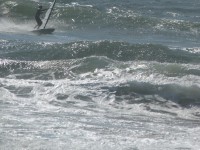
(39, 24)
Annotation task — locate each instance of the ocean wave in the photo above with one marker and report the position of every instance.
(51, 70)
(121, 51)
(163, 84)
(101, 67)
(130, 89)
(146, 93)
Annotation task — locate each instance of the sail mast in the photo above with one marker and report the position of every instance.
(48, 14)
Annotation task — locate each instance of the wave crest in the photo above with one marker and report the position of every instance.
(121, 51)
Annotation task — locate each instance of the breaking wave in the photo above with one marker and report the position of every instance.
(121, 51)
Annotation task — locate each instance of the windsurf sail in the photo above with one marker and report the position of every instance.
(47, 15)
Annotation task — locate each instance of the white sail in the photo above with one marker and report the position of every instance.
(47, 15)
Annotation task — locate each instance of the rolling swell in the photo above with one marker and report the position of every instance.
(121, 51)
(139, 92)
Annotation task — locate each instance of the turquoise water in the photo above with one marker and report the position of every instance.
(113, 75)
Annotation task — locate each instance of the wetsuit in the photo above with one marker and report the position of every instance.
(37, 17)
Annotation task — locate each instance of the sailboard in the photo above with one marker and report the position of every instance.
(43, 29)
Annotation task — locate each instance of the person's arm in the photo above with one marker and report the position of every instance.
(44, 10)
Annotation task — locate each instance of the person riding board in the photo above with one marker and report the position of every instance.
(37, 16)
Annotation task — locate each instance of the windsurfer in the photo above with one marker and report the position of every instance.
(37, 16)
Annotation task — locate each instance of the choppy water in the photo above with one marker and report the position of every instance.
(114, 75)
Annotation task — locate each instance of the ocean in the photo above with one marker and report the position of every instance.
(114, 75)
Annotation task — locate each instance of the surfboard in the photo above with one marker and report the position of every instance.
(43, 29)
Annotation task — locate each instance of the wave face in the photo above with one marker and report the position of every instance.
(121, 51)
(114, 75)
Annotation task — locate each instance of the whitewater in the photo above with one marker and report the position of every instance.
(115, 75)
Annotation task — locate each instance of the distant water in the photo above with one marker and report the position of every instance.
(115, 75)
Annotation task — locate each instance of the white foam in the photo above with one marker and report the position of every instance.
(9, 25)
